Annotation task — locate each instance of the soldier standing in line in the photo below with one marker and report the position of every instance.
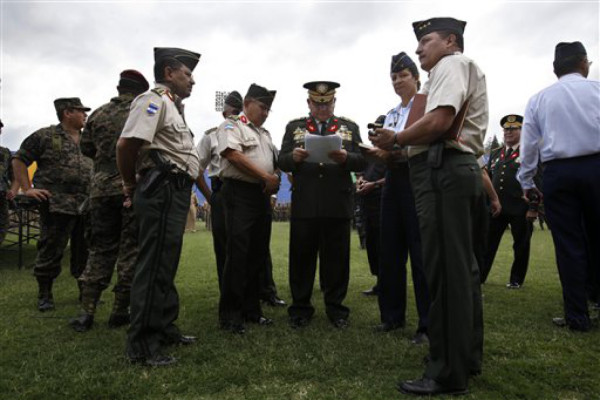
(248, 171)
(61, 184)
(450, 202)
(157, 144)
(113, 225)
(322, 197)
(502, 167)
(210, 158)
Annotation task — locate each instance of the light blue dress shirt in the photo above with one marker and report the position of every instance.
(397, 117)
(561, 121)
(396, 120)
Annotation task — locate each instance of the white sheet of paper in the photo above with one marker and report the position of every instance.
(318, 147)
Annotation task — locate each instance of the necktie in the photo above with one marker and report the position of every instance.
(323, 128)
(508, 152)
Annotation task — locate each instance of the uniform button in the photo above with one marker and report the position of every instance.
(320, 175)
(501, 180)
(321, 164)
(504, 166)
(501, 188)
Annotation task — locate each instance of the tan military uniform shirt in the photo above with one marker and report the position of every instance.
(238, 133)
(155, 118)
(453, 80)
(208, 153)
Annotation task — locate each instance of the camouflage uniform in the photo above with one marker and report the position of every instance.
(4, 166)
(114, 228)
(65, 172)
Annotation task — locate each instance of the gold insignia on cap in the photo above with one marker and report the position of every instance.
(424, 25)
(322, 88)
(512, 118)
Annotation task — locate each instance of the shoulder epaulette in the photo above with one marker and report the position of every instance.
(159, 91)
(298, 120)
(347, 119)
(211, 130)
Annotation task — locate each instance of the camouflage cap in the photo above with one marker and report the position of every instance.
(65, 103)
(425, 27)
(321, 91)
(186, 57)
(132, 79)
(261, 94)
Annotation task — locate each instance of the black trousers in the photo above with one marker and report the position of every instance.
(572, 204)
(400, 236)
(521, 230)
(217, 219)
(154, 300)
(329, 238)
(247, 211)
(219, 234)
(266, 282)
(372, 226)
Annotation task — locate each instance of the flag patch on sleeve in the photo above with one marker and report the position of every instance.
(152, 108)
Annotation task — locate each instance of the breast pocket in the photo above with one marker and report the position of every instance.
(182, 135)
(249, 142)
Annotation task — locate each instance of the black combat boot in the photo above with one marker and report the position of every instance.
(45, 298)
(89, 298)
(120, 312)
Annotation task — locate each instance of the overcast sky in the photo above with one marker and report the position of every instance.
(67, 49)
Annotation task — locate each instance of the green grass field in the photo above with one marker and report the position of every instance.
(525, 357)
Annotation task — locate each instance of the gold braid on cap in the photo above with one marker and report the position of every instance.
(321, 97)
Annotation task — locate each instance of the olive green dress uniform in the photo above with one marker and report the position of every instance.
(247, 215)
(65, 172)
(156, 119)
(322, 207)
(503, 166)
(114, 228)
(450, 204)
